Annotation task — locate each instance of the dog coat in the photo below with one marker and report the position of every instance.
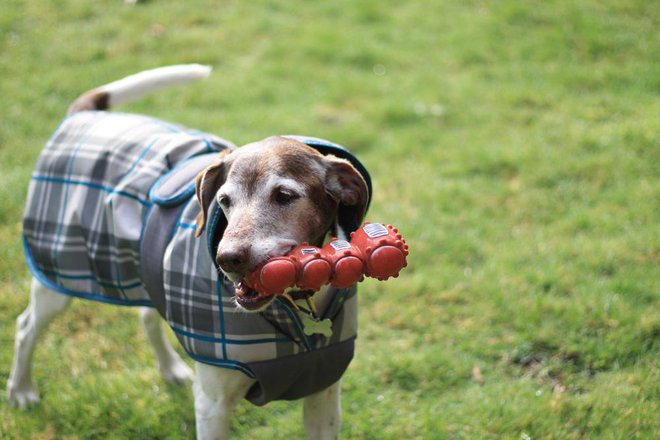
(110, 217)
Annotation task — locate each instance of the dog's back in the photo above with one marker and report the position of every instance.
(88, 198)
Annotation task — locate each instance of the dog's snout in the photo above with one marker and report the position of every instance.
(235, 259)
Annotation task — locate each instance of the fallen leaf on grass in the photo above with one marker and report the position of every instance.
(477, 376)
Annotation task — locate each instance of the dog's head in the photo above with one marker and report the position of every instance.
(276, 194)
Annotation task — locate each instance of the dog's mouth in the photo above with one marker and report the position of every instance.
(249, 299)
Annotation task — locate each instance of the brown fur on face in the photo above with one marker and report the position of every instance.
(251, 181)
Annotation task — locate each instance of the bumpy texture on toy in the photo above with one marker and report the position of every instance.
(375, 250)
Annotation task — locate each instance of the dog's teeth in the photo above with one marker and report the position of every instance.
(240, 289)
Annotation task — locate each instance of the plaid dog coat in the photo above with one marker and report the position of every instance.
(110, 217)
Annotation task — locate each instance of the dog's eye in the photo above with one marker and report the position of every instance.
(224, 201)
(283, 197)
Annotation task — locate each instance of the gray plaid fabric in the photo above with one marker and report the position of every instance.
(210, 326)
(87, 204)
(88, 197)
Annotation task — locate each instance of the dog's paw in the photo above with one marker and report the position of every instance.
(23, 396)
(177, 373)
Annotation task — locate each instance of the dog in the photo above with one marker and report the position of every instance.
(108, 190)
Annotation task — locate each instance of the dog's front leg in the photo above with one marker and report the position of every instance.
(217, 392)
(322, 413)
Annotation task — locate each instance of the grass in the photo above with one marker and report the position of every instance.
(515, 144)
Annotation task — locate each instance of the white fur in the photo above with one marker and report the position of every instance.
(171, 366)
(322, 413)
(44, 306)
(217, 392)
(285, 183)
(135, 86)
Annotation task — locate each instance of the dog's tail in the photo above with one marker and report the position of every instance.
(135, 86)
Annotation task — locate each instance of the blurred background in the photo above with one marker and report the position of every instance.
(515, 144)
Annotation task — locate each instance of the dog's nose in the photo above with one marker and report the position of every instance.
(234, 260)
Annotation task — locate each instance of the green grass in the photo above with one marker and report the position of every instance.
(516, 144)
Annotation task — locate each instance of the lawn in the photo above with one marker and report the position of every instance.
(515, 144)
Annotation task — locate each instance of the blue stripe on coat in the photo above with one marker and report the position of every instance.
(228, 341)
(94, 185)
(187, 225)
(232, 365)
(39, 275)
(218, 288)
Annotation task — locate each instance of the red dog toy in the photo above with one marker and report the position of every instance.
(375, 250)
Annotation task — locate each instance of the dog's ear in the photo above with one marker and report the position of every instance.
(207, 184)
(347, 186)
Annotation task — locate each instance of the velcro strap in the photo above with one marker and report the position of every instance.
(178, 184)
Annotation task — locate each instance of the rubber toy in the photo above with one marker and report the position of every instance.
(375, 250)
